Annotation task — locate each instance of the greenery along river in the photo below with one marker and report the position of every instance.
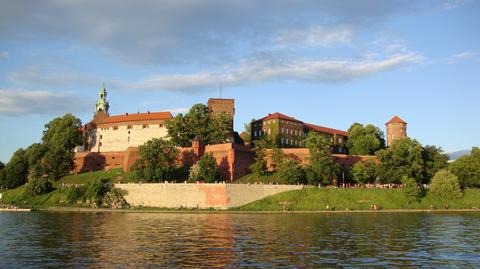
(86, 239)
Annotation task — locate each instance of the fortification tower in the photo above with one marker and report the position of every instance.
(396, 129)
(101, 107)
(219, 105)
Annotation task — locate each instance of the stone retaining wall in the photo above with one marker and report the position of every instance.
(191, 195)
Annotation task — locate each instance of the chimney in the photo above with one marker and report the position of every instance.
(126, 113)
(148, 112)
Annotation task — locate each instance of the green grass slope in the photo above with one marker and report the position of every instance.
(57, 197)
(312, 199)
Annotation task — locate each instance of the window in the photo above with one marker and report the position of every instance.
(255, 134)
(129, 126)
(269, 132)
(128, 132)
(145, 126)
(283, 141)
(101, 136)
(282, 130)
(160, 125)
(115, 127)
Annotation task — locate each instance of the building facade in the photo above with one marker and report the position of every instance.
(396, 129)
(288, 132)
(112, 133)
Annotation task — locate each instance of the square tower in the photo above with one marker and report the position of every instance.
(219, 105)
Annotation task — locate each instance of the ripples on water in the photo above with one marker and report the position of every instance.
(133, 240)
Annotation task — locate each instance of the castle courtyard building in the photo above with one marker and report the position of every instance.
(288, 132)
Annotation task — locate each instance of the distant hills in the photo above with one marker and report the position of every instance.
(457, 154)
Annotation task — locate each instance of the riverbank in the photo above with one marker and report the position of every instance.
(336, 199)
(233, 211)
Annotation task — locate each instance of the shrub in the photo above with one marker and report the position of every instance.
(445, 184)
(289, 171)
(205, 170)
(365, 172)
(411, 190)
(94, 191)
(37, 186)
(114, 199)
(76, 194)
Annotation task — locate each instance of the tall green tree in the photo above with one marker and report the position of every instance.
(445, 184)
(467, 169)
(34, 154)
(364, 140)
(2, 174)
(259, 166)
(321, 168)
(157, 160)
(290, 172)
(60, 137)
(205, 170)
(402, 158)
(199, 123)
(16, 170)
(433, 161)
(365, 172)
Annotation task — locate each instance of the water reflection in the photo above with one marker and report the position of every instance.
(41, 239)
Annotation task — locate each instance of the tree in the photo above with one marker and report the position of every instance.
(16, 170)
(37, 186)
(259, 166)
(199, 123)
(467, 169)
(34, 154)
(365, 172)
(60, 137)
(402, 158)
(445, 184)
(364, 140)
(433, 161)
(205, 170)
(321, 167)
(290, 172)
(2, 174)
(157, 160)
(411, 190)
(277, 157)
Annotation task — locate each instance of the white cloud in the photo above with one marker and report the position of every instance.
(18, 102)
(4, 55)
(453, 4)
(191, 31)
(462, 56)
(271, 69)
(177, 110)
(316, 36)
(40, 75)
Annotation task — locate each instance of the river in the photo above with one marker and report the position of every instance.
(171, 240)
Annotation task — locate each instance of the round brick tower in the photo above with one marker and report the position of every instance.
(396, 129)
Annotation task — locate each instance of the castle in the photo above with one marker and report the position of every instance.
(111, 141)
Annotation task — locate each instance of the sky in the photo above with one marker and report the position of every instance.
(329, 63)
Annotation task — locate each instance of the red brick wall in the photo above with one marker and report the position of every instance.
(93, 161)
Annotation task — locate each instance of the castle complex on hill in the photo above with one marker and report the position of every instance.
(111, 141)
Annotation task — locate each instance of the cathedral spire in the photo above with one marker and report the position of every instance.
(102, 103)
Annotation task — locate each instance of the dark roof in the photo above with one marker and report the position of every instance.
(137, 117)
(323, 129)
(395, 119)
(277, 115)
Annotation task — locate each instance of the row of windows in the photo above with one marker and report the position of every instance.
(293, 131)
(290, 142)
(144, 126)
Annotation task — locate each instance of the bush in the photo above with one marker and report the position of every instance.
(38, 186)
(365, 172)
(289, 171)
(94, 192)
(205, 170)
(445, 184)
(114, 199)
(411, 190)
(76, 194)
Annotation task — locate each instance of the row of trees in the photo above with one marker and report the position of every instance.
(159, 160)
(49, 160)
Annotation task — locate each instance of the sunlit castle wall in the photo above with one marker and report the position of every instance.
(117, 133)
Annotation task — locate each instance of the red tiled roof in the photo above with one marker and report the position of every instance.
(395, 119)
(324, 129)
(138, 117)
(277, 115)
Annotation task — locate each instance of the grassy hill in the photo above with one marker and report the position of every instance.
(310, 199)
(57, 197)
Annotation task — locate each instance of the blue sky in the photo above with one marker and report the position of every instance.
(330, 63)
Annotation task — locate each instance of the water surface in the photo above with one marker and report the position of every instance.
(133, 240)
